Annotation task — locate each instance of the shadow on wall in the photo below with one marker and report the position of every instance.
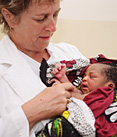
(1, 34)
(91, 37)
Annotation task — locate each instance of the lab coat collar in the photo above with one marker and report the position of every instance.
(8, 49)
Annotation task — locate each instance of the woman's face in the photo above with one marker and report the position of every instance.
(35, 27)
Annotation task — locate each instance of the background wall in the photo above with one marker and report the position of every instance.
(91, 25)
(1, 34)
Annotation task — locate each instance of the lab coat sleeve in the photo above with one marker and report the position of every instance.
(14, 124)
(68, 50)
(74, 51)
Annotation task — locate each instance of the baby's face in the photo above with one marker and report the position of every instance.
(93, 78)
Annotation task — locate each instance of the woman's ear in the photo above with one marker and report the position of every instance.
(110, 84)
(8, 17)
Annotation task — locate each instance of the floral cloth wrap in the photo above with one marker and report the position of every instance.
(75, 69)
(96, 115)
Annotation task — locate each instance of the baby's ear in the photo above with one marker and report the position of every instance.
(110, 84)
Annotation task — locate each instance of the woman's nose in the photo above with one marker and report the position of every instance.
(51, 26)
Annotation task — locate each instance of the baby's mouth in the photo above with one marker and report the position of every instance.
(84, 86)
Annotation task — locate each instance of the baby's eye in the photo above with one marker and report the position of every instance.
(84, 75)
(92, 76)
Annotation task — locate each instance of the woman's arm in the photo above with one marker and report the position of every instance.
(14, 123)
(50, 102)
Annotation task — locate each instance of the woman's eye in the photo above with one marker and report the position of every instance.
(41, 19)
(55, 15)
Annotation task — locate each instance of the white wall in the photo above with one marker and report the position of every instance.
(100, 10)
(91, 25)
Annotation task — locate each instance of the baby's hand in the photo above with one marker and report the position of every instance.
(59, 71)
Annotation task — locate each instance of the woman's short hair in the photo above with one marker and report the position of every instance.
(16, 7)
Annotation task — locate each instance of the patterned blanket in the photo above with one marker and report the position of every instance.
(102, 101)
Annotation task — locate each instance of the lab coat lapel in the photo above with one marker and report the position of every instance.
(18, 74)
(23, 80)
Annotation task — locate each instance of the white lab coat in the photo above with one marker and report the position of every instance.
(18, 84)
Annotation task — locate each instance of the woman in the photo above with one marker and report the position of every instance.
(26, 104)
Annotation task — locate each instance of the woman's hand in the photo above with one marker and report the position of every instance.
(50, 102)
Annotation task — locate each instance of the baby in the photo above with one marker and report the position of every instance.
(97, 75)
(79, 120)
